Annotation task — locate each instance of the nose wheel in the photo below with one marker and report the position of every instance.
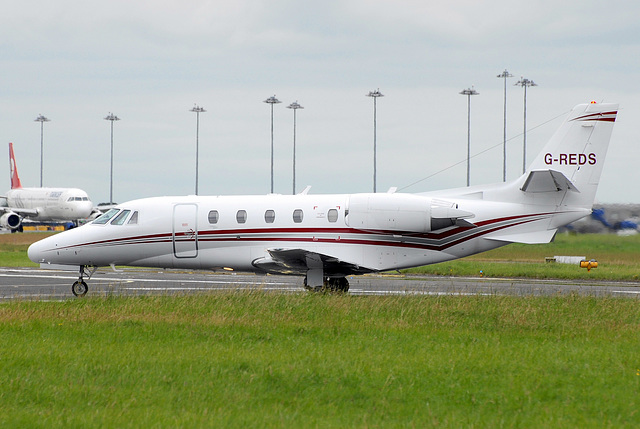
(80, 288)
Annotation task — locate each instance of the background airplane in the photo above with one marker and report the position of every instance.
(326, 238)
(40, 204)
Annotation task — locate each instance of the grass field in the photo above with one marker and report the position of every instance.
(255, 359)
(309, 360)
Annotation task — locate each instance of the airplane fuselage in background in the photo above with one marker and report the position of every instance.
(51, 204)
(40, 204)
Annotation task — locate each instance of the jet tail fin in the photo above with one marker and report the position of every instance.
(573, 158)
(13, 170)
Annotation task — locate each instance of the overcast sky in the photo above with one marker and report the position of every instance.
(148, 62)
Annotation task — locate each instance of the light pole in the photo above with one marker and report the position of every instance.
(295, 106)
(504, 75)
(524, 83)
(111, 117)
(272, 100)
(469, 92)
(42, 120)
(374, 94)
(198, 110)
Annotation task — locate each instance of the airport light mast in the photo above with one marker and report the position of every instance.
(111, 117)
(524, 83)
(272, 100)
(469, 92)
(374, 94)
(294, 106)
(504, 75)
(42, 119)
(198, 110)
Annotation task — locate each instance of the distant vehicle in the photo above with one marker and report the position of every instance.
(326, 238)
(40, 204)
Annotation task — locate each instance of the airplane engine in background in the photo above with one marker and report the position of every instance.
(403, 213)
(10, 221)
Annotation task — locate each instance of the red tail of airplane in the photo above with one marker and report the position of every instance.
(15, 180)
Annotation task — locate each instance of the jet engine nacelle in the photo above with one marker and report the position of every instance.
(10, 220)
(403, 212)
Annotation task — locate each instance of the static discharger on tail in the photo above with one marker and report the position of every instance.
(325, 238)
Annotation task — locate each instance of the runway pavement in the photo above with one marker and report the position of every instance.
(34, 283)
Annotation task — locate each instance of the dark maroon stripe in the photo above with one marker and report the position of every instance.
(241, 235)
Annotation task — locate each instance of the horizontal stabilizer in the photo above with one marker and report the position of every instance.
(547, 181)
(535, 237)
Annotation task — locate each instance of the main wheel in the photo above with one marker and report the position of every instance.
(342, 284)
(79, 288)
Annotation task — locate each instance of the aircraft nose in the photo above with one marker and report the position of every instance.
(36, 252)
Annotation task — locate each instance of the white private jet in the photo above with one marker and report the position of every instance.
(40, 204)
(326, 238)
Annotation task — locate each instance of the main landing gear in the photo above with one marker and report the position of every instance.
(80, 288)
(330, 284)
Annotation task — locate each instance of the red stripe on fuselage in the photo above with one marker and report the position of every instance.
(385, 237)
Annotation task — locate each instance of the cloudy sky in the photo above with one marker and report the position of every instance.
(149, 62)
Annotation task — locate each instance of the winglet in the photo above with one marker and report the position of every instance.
(13, 170)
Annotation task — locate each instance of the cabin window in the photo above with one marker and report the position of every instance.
(270, 216)
(241, 216)
(106, 217)
(134, 219)
(332, 215)
(297, 215)
(119, 220)
(214, 216)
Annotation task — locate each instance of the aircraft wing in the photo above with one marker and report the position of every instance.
(21, 212)
(299, 261)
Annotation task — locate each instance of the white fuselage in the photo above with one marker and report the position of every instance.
(50, 204)
(372, 232)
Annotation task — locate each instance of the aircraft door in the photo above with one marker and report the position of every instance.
(185, 230)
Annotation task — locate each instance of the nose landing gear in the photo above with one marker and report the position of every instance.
(80, 288)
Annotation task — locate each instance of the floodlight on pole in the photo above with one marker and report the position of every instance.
(272, 100)
(374, 94)
(504, 75)
(198, 110)
(469, 92)
(294, 106)
(42, 119)
(525, 83)
(111, 117)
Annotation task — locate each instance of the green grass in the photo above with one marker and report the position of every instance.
(13, 248)
(308, 360)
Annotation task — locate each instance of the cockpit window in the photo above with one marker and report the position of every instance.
(134, 219)
(106, 217)
(119, 220)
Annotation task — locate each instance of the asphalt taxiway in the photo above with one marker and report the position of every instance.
(35, 283)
